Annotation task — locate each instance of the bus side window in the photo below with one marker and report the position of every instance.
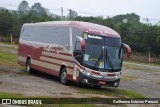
(77, 52)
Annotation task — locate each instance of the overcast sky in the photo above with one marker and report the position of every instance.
(145, 8)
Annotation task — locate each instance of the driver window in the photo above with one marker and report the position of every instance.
(77, 52)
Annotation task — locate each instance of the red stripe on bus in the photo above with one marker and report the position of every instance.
(56, 64)
(95, 72)
(61, 53)
(111, 74)
(50, 71)
(79, 65)
(58, 58)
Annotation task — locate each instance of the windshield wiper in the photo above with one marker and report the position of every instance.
(109, 60)
(98, 59)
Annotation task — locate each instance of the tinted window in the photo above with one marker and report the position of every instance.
(47, 34)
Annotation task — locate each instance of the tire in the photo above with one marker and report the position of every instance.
(63, 76)
(28, 66)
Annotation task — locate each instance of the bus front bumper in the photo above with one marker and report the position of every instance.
(89, 80)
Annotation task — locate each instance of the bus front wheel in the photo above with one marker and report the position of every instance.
(63, 76)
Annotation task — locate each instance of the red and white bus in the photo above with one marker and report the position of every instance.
(75, 51)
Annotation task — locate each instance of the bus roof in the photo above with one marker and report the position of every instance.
(87, 27)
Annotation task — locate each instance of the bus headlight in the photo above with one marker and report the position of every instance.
(117, 76)
(86, 73)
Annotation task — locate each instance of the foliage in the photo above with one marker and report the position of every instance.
(12, 21)
(6, 22)
(72, 14)
(38, 10)
(23, 8)
(142, 37)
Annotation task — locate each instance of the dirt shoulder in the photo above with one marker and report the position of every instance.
(15, 80)
(146, 83)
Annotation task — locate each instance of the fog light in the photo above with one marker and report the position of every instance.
(116, 77)
(85, 80)
(116, 84)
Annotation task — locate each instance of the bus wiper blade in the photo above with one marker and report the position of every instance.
(110, 62)
(98, 59)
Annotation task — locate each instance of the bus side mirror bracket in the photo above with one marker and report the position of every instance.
(128, 49)
(83, 44)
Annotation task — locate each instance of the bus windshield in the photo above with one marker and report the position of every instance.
(102, 53)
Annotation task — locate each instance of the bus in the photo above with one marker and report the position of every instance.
(76, 51)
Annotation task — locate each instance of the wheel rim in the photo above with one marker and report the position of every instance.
(28, 67)
(64, 77)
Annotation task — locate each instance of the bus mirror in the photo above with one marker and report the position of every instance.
(82, 43)
(128, 50)
(67, 46)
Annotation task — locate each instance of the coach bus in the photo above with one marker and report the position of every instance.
(74, 51)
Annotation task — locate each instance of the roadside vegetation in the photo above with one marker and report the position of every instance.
(141, 68)
(144, 58)
(8, 56)
(109, 91)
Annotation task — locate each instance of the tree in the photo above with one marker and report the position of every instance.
(38, 10)
(6, 22)
(72, 14)
(23, 8)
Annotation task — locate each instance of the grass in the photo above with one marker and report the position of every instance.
(139, 67)
(158, 81)
(13, 95)
(114, 92)
(128, 78)
(17, 95)
(143, 58)
(1, 82)
(68, 105)
(7, 43)
(66, 93)
(10, 95)
(7, 58)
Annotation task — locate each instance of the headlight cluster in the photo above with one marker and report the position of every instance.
(86, 73)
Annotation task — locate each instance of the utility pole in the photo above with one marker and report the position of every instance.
(61, 14)
(11, 37)
(70, 13)
(149, 57)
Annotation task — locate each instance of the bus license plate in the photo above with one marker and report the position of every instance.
(102, 82)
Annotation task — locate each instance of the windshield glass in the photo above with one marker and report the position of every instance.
(113, 58)
(102, 52)
(93, 55)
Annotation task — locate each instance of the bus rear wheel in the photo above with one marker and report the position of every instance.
(28, 66)
(63, 76)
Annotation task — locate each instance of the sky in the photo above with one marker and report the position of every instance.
(144, 8)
